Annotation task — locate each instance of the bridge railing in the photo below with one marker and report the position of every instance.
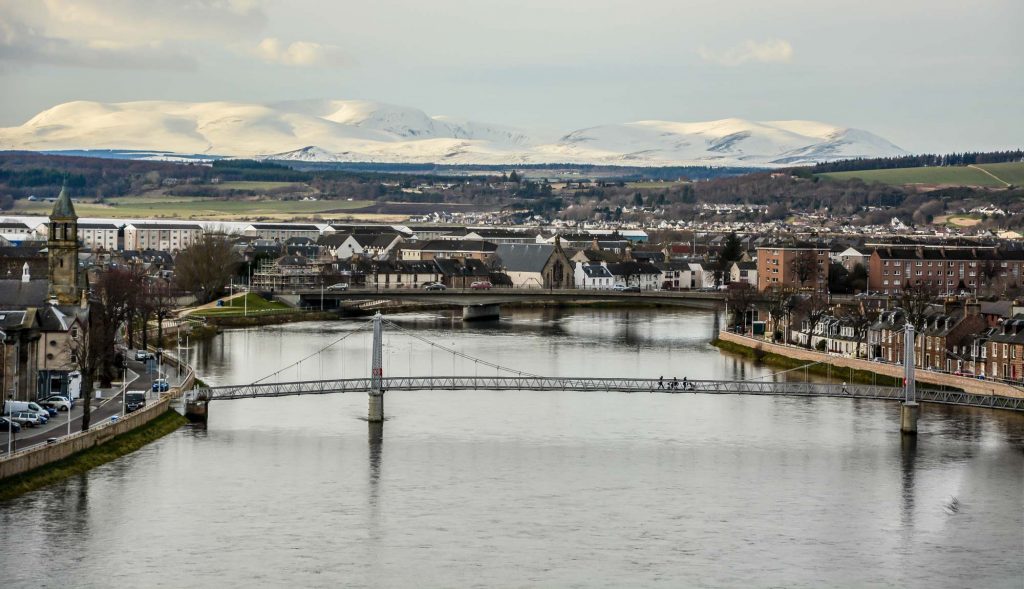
(627, 385)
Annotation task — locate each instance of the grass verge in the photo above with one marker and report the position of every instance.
(849, 375)
(86, 460)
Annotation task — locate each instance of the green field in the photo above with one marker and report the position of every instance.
(953, 175)
(197, 208)
(1010, 172)
(257, 305)
(244, 185)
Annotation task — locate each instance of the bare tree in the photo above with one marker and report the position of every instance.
(109, 310)
(860, 319)
(805, 267)
(161, 299)
(915, 299)
(741, 298)
(85, 353)
(779, 302)
(205, 267)
(813, 308)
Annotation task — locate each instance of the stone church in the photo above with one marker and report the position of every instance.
(40, 317)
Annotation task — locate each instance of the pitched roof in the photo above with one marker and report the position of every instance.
(63, 208)
(524, 257)
(17, 294)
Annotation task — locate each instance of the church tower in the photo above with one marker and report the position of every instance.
(62, 247)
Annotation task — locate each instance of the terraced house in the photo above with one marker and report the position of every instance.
(944, 269)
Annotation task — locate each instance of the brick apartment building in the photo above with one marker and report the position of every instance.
(945, 270)
(782, 266)
(941, 344)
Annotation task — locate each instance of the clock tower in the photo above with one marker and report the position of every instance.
(62, 247)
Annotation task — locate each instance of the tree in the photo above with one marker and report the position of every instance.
(813, 308)
(161, 300)
(85, 353)
(205, 267)
(731, 252)
(859, 278)
(741, 299)
(915, 300)
(805, 266)
(857, 317)
(779, 302)
(109, 310)
(638, 200)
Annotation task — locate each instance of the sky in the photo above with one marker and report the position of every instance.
(930, 76)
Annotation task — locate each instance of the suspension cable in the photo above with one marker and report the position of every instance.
(321, 350)
(411, 333)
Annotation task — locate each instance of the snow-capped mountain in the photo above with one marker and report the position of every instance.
(363, 131)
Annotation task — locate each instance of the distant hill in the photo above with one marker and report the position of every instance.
(363, 131)
(983, 175)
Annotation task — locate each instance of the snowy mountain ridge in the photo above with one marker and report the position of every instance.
(364, 131)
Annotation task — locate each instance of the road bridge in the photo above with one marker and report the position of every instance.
(500, 296)
(198, 400)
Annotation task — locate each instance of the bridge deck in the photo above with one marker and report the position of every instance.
(626, 385)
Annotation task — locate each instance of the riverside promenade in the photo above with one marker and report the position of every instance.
(103, 429)
(964, 383)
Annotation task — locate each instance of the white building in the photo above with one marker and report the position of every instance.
(16, 231)
(99, 236)
(744, 272)
(849, 258)
(283, 231)
(593, 276)
(165, 237)
(701, 277)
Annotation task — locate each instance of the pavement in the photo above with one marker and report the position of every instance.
(108, 405)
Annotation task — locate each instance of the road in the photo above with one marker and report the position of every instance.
(102, 409)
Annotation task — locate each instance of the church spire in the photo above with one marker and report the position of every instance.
(63, 208)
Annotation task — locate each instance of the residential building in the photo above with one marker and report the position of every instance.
(536, 265)
(593, 276)
(283, 231)
(107, 237)
(166, 237)
(943, 270)
(797, 266)
(743, 272)
(473, 249)
(645, 275)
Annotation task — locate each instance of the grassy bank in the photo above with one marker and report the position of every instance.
(88, 459)
(785, 362)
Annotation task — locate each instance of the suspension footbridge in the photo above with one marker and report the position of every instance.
(509, 379)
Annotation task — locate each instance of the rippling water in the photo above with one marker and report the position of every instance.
(555, 489)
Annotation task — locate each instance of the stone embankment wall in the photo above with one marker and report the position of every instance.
(966, 384)
(31, 458)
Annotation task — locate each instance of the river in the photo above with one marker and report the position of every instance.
(527, 489)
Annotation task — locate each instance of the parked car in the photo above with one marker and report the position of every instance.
(58, 402)
(142, 355)
(28, 418)
(36, 408)
(619, 287)
(436, 286)
(9, 425)
(134, 400)
(481, 285)
(160, 385)
(338, 286)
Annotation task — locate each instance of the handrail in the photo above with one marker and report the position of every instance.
(628, 385)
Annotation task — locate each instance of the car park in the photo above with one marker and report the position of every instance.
(481, 285)
(58, 402)
(436, 286)
(338, 286)
(161, 385)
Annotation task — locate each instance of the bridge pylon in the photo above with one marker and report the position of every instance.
(909, 409)
(376, 407)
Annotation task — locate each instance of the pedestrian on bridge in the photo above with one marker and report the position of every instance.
(661, 382)
(675, 383)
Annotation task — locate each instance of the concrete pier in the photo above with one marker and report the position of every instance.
(909, 412)
(197, 410)
(376, 412)
(481, 312)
